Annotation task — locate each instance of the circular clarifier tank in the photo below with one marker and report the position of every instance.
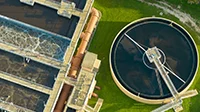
(136, 76)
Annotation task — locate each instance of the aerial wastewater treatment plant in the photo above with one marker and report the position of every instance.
(154, 60)
(45, 65)
(41, 70)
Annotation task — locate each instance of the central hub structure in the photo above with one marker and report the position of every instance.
(153, 54)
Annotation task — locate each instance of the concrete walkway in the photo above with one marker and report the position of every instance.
(31, 55)
(25, 83)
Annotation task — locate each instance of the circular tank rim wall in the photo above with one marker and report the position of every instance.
(136, 97)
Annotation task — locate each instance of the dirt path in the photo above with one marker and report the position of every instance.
(175, 11)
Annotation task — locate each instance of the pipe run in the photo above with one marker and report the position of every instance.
(77, 59)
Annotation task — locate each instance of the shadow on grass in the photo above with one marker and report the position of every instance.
(143, 8)
(114, 98)
(101, 44)
(120, 3)
(104, 36)
(128, 107)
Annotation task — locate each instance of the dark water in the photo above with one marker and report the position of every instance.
(70, 110)
(32, 71)
(22, 96)
(128, 66)
(39, 16)
(80, 4)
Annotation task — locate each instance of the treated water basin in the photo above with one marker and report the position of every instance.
(127, 63)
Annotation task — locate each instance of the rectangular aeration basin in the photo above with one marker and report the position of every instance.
(80, 4)
(39, 16)
(32, 72)
(21, 97)
(36, 40)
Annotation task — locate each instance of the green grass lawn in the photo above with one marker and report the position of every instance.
(115, 15)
